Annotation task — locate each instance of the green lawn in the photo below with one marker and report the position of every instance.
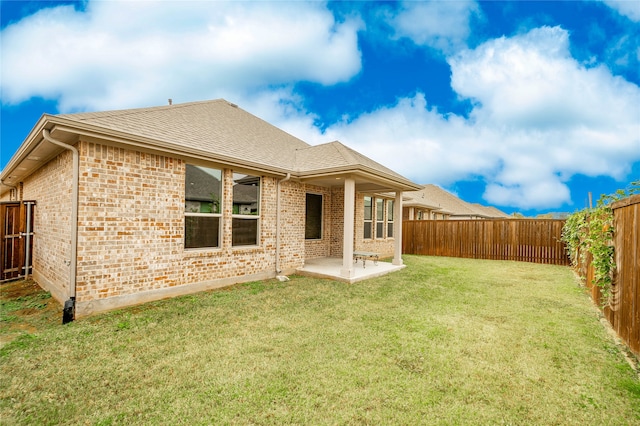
(445, 341)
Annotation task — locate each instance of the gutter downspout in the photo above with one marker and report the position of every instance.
(278, 270)
(68, 314)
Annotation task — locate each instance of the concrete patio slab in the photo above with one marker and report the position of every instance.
(330, 267)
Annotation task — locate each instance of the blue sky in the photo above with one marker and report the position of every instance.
(528, 106)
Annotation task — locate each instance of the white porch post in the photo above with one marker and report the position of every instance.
(397, 229)
(349, 217)
(410, 213)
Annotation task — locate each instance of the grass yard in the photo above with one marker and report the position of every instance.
(445, 341)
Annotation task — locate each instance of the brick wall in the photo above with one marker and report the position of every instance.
(292, 211)
(131, 226)
(51, 186)
(131, 229)
(132, 223)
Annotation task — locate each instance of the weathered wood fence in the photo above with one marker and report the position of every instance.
(527, 240)
(623, 312)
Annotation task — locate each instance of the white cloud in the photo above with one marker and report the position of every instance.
(539, 118)
(418, 141)
(628, 8)
(443, 25)
(548, 105)
(118, 54)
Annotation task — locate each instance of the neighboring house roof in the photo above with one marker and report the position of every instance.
(245, 194)
(200, 185)
(420, 200)
(492, 211)
(215, 130)
(445, 202)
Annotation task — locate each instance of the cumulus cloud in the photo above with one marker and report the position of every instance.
(419, 141)
(628, 8)
(443, 25)
(117, 54)
(539, 118)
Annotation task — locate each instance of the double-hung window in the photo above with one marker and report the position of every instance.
(390, 218)
(368, 217)
(379, 218)
(246, 210)
(202, 207)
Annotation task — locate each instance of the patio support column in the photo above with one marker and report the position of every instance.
(397, 229)
(347, 270)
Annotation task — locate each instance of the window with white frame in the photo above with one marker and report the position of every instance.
(390, 212)
(379, 218)
(202, 207)
(245, 218)
(368, 217)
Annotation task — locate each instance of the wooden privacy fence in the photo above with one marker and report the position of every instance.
(527, 240)
(623, 312)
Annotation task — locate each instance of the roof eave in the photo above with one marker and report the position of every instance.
(395, 182)
(60, 124)
(28, 145)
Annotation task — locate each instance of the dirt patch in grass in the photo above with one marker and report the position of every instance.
(25, 308)
(20, 288)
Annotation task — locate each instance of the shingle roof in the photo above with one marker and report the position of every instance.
(419, 199)
(432, 195)
(199, 185)
(223, 132)
(492, 211)
(209, 126)
(335, 155)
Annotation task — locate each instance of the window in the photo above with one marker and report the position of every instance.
(246, 210)
(379, 218)
(202, 207)
(390, 218)
(313, 217)
(368, 216)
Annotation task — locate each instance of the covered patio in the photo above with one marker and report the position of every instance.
(332, 268)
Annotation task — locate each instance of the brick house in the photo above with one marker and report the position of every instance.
(434, 203)
(143, 204)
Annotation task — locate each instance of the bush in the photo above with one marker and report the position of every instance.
(592, 231)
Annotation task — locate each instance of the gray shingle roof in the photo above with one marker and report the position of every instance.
(221, 131)
(217, 127)
(335, 155)
(492, 211)
(432, 195)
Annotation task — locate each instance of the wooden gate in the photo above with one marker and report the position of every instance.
(17, 239)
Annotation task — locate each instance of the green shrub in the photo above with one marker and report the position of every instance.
(592, 231)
